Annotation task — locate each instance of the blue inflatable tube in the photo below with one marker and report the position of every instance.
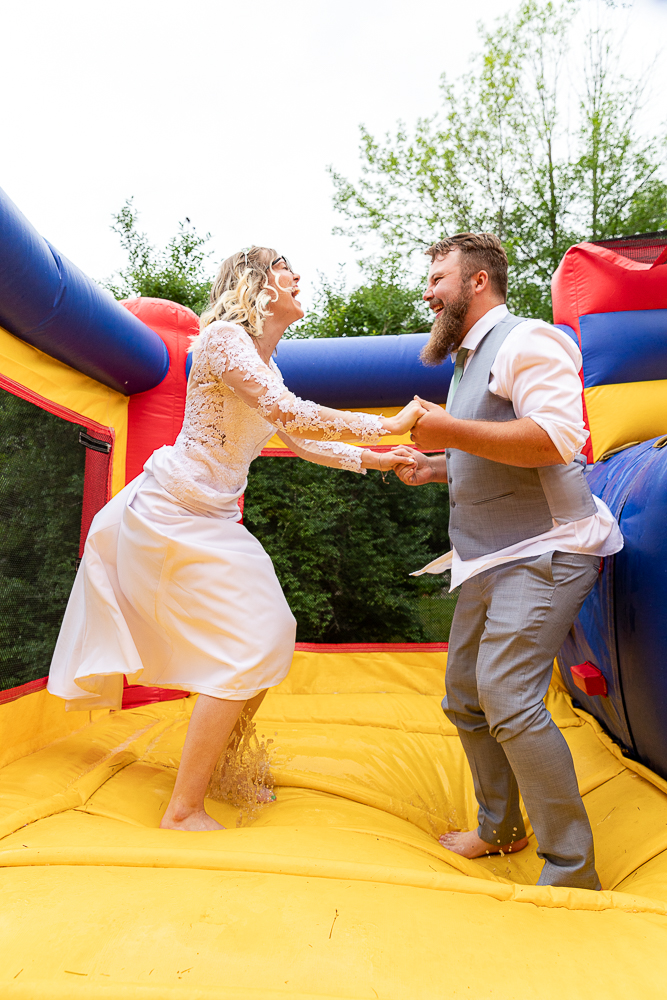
(622, 625)
(357, 372)
(362, 371)
(48, 302)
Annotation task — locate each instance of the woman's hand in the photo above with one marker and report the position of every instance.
(405, 419)
(383, 461)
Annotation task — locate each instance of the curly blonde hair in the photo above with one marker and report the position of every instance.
(241, 292)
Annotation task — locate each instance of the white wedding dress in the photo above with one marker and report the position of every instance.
(172, 590)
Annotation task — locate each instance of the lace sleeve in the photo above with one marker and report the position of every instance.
(335, 454)
(233, 359)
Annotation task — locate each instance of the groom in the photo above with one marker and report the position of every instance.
(527, 540)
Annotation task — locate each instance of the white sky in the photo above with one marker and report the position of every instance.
(225, 112)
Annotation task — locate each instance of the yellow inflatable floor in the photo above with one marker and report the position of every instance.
(339, 888)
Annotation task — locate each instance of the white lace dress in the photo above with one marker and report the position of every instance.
(172, 589)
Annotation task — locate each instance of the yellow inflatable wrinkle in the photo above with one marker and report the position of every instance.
(347, 871)
(36, 720)
(56, 766)
(352, 939)
(85, 827)
(61, 384)
(80, 789)
(624, 412)
(649, 878)
(385, 672)
(629, 822)
(407, 712)
(47, 989)
(628, 763)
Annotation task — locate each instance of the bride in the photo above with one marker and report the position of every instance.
(172, 589)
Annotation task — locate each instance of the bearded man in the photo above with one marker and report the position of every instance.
(527, 538)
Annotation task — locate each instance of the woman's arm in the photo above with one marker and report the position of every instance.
(338, 455)
(234, 360)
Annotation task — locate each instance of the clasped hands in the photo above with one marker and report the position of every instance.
(428, 423)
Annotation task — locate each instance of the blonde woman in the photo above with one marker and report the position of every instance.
(172, 589)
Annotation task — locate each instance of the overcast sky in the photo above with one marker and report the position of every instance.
(226, 112)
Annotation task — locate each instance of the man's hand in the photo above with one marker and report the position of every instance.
(418, 468)
(433, 429)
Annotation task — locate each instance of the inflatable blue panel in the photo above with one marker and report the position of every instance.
(624, 346)
(48, 302)
(569, 331)
(623, 623)
(362, 371)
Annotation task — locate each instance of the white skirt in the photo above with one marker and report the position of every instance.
(174, 597)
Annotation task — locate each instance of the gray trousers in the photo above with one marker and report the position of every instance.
(509, 624)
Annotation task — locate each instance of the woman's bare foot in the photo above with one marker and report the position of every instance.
(469, 844)
(193, 822)
(265, 794)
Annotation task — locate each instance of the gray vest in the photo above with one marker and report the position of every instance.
(494, 505)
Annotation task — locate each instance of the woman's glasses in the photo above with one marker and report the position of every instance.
(288, 266)
(285, 261)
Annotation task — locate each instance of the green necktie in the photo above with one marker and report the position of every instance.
(461, 356)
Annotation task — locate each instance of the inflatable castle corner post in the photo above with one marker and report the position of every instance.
(612, 298)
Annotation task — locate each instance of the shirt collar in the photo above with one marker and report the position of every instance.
(487, 322)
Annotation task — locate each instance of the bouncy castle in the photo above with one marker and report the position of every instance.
(339, 888)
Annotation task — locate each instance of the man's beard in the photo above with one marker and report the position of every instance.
(447, 331)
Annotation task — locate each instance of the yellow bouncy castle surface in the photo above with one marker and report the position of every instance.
(338, 888)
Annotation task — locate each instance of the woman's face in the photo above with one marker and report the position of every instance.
(286, 308)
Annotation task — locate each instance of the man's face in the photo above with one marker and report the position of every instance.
(449, 297)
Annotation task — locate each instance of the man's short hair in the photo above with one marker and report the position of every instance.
(479, 252)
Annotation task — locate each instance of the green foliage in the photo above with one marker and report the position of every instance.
(177, 273)
(520, 147)
(382, 306)
(41, 489)
(343, 546)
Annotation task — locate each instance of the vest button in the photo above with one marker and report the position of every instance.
(452, 503)
(450, 479)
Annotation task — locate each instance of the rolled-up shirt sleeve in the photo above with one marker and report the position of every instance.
(537, 369)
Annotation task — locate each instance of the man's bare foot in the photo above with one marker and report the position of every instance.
(469, 844)
(193, 822)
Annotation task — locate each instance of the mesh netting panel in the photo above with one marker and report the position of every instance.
(41, 493)
(343, 546)
(645, 248)
(99, 445)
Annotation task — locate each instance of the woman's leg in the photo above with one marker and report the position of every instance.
(211, 725)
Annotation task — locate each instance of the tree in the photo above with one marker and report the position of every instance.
(177, 272)
(384, 305)
(41, 491)
(503, 155)
(343, 546)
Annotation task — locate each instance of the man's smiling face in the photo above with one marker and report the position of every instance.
(449, 297)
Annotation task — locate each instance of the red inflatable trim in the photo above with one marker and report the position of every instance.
(592, 279)
(11, 694)
(155, 417)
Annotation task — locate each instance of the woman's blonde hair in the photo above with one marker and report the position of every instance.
(241, 292)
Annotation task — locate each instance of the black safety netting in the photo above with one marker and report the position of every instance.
(43, 477)
(343, 546)
(644, 248)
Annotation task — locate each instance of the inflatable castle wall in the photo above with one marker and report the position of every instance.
(120, 373)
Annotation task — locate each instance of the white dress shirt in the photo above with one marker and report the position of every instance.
(537, 368)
